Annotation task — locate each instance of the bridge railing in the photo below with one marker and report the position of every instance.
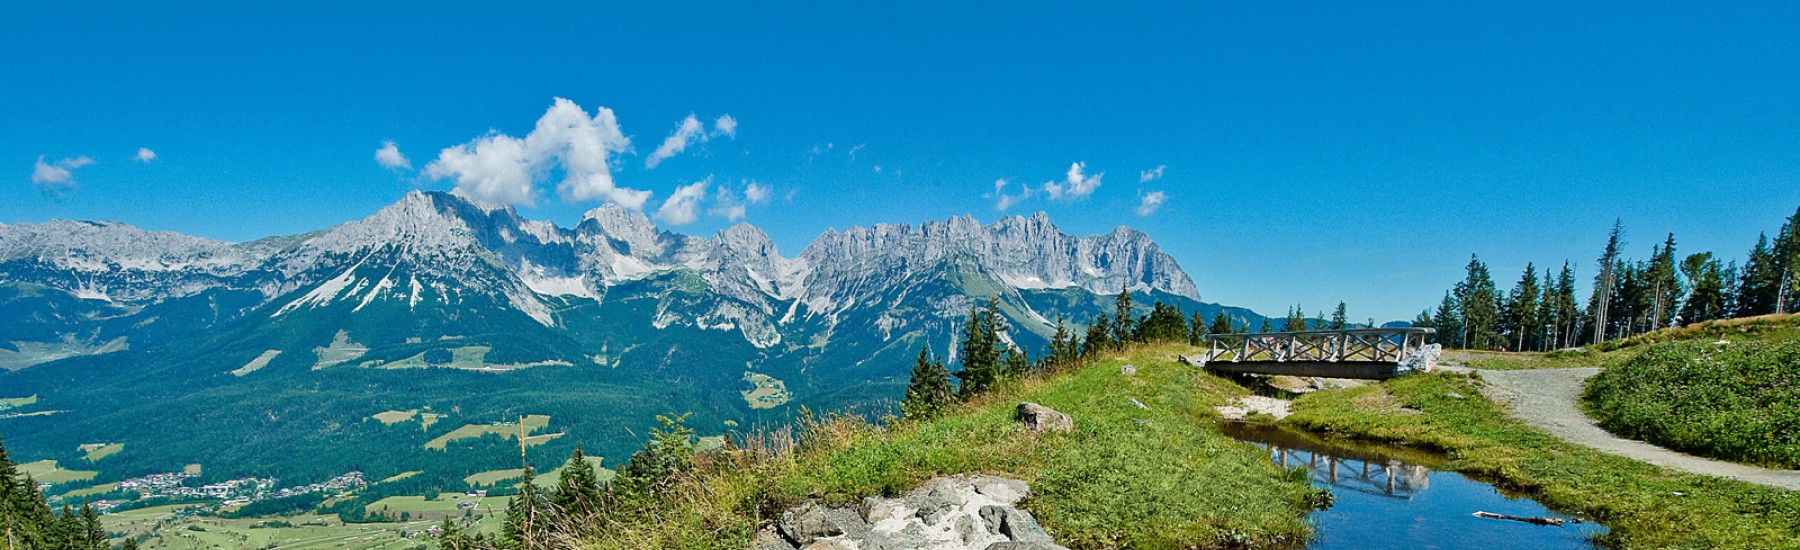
(1381, 345)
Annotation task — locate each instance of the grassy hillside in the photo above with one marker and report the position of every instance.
(1155, 477)
(1736, 401)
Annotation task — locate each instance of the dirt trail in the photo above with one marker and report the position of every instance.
(1546, 399)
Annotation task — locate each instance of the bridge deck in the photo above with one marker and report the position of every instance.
(1368, 354)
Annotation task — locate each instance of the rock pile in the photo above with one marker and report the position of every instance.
(946, 513)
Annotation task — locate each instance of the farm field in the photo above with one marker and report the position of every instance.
(47, 471)
(532, 423)
(97, 451)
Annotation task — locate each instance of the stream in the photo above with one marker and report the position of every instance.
(1394, 497)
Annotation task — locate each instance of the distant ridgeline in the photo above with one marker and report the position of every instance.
(441, 328)
(1628, 298)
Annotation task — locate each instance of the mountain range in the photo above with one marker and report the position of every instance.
(242, 354)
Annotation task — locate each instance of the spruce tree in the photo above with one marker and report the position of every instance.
(1340, 317)
(1296, 320)
(91, 536)
(525, 521)
(981, 355)
(1522, 311)
(1666, 287)
(1759, 287)
(1221, 324)
(577, 493)
(929, 393)
(1707, 300)
(1599, 305)
(1787, 265)
(1448, 322)
(1099, 337)
(1125, 323)
(1478, 300)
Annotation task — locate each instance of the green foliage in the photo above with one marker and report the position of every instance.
(25, 518)
(1738, 401)
(1221, 324)
(652, 470)
(1064, 350)
(983, 357)
(1644, 506)
(1125, 321)
(1296, 320)
(438, 356)
(577, 493)
(930, 391)
(1165, 324)
(1340, 318)
(1099, 337)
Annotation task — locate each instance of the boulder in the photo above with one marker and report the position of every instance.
(1016, 545)
(1006, 491)
(768, 539)
(812, 522)
(1128, 370)
(1020, 526)
(1038, 418)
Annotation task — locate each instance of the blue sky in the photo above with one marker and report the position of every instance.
(1311, 153)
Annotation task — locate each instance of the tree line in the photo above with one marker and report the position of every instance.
(1629, 296)
(987, 357)
(29, 523)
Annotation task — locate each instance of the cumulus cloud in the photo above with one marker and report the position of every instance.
(498, 168)
(1075, 186)
(1152, 174)
(680, 208)
(725, 126)
(389, 156)
(1002, 200)
(145, 155)
(1149, 202)
(756, 193)
(59, 176)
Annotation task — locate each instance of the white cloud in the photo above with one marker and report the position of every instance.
(1003, 201)
(57, 177)
(389, 156)
(144, 154)
(1152, 174)
(727, 205)
(853, 151)
(679, 208)
(688, 132)
(1149, 202)
(498, 168)
(1075, 186)
(756, 193)
(726, 126)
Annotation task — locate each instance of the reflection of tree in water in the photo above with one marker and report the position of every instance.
(1375, 476)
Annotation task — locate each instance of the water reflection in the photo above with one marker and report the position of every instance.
(1394, 497)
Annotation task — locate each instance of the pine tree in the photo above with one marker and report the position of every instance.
(451, 537)
(981, 354)
(25, 519)
(1265, 327)
(1099, 337)
(131, 543)
(1759, 287)
(1787, 265)
(1196, 328)
(1423, 320)
(1221, 324)
(91, 536)
(1567, 326)
(1478, 300)
(1522, 311)
(1064, 349)
(525, 521)
(654, 468)
(1707, 301)
(1296, 320)
(1340, 317)
(1164, 324)
(1606, 282)
(1125, 324)
(577, 493)
(1448, 322)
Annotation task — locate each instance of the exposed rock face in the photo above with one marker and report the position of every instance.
(948, 513)
(1038, 418)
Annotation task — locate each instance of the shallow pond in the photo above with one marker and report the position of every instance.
(1392, 497)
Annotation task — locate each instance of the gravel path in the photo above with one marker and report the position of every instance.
(1546, 399)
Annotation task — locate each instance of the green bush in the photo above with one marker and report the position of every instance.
(1738, 401)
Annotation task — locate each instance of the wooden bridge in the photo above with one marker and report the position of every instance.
(1369, 354)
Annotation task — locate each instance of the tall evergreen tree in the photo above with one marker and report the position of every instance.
(1221, 324)
(1340, 318)
(1164, 324)
(91, 536)
(1125, 324)
(1423, 320)
(982, 356)
(1296, 320)
(25, 518)
(929, 393)
(1448, 322)
(1523, 316)
(1759, 287)
(526, 523)
(1666, 287)
(1479, 301)
(1787, 265)
(1599, 306)
(577, 492)
(1196, 328)
(1707, 301)
(1099, 337)
(1567, 311)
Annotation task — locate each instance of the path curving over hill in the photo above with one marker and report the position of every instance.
(1547, 399)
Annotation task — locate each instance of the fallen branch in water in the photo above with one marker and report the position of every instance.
(1558, 522)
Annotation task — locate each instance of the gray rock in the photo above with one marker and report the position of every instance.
(1007, 491)
(829, 544)
(877, 510)
(992, 516)
(1016, 545)
(1128, 370)
(909, 538)
(1020, 526)
(1140, 404)
(1038, 418)
(768, 539)
(966, 529)
(811, 522)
